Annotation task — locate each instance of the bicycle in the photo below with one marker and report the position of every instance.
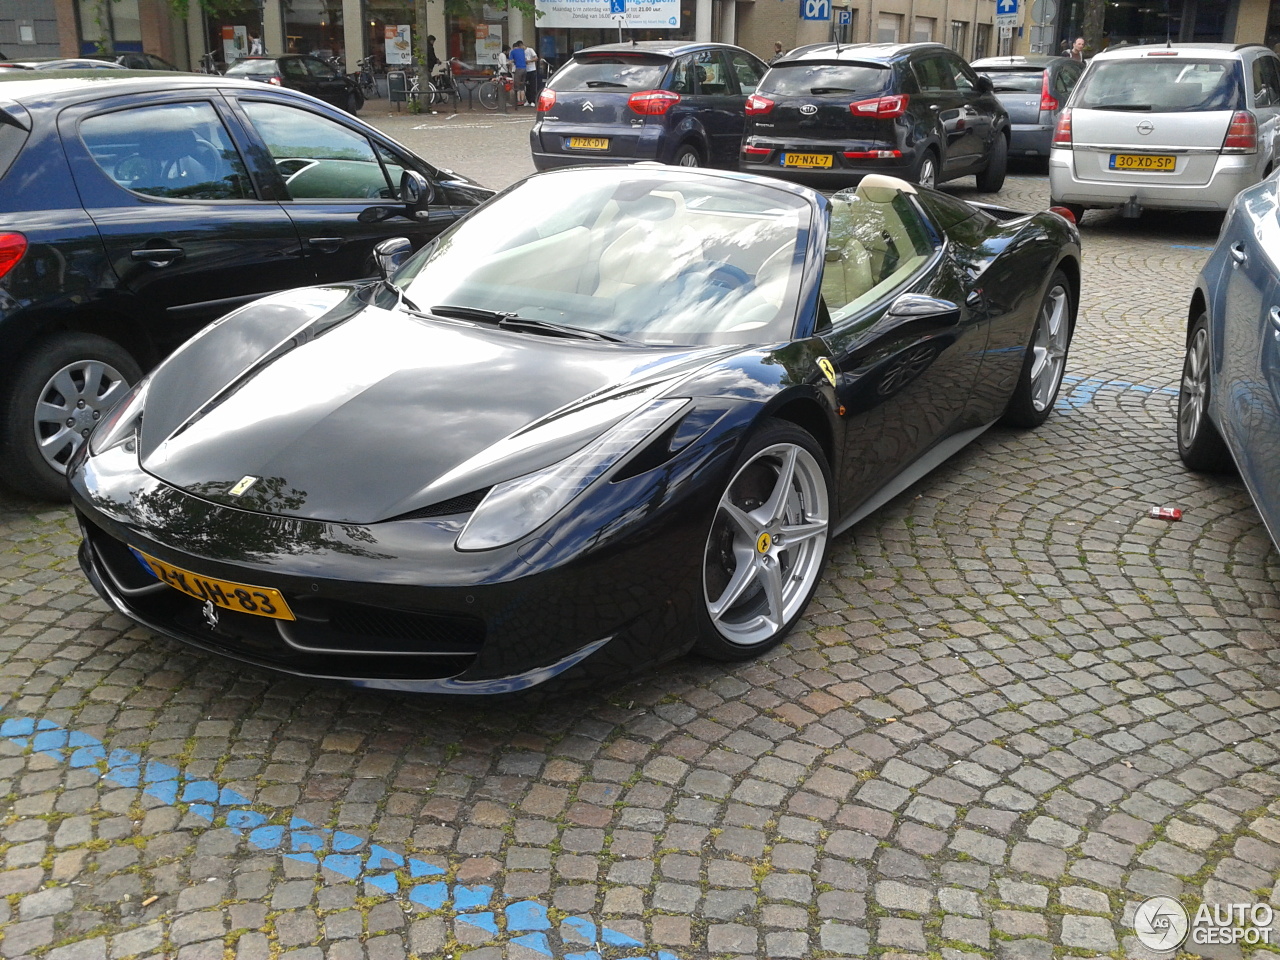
(491, 91)
(365, 79)
(209, 63)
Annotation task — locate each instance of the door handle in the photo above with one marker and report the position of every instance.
(1274, 316)
(326, 244)
(157, 256)
(1238, 253)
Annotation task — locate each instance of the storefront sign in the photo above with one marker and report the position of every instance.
(399, 44)
(235, 43)
(595, 14)
(489, 46)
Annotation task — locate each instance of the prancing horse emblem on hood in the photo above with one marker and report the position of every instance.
(243, 484)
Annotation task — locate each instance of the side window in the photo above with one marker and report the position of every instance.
(1064, 82)
(319, 158)
(395, 167)
(933, 75)
(712, 81)
(747, 72)
(684, 76)
(1271, 70)
(965, 80)
(293, 68)
(319, 69)
(177, 151)
(1265, 91)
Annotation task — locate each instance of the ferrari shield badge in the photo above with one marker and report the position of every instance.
(827, 369)
(241, 485)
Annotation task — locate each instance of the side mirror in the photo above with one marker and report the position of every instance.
(916, 308)
(416, 191)
(984, 83)
(390, 254)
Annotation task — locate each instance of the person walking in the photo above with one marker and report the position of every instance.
(255, 44)
(1077, 50)
(778, 51)
(519, 70)
(531, 77)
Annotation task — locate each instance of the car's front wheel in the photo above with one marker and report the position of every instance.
(1046, 358)
(767, 543)
(56, 396)
(1200, 445)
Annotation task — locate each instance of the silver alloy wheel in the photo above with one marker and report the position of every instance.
(1049, 351)
(928, 172)
(70, 403)
(688, 158)
(1195, 388)
(766, 545)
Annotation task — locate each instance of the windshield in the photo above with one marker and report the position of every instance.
(663, 258)
(809, 79)
(1015, 81)
(250, 67)
(1173, 84)
(625, 72)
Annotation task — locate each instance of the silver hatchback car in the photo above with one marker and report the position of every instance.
(1174, 127)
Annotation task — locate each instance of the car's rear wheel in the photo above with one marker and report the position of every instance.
(58, 393)
(1046, 358)
(991, 179)
(1200, 445)
(927, 169)
(767, 543)
(687, 156)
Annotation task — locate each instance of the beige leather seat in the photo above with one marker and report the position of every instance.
(847, 273)
(648, 252)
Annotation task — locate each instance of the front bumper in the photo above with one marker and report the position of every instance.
(394, 605)
(1231, 174)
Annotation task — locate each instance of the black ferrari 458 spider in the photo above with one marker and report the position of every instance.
(627, 428)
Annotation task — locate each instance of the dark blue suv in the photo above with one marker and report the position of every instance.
(671, 101)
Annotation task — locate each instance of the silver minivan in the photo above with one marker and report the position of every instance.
(1175, 127)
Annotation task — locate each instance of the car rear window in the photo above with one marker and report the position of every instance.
(12, 138)
(1173, 84)
(816, 79)
(1015, 81)
(624, 73)
(245, 68)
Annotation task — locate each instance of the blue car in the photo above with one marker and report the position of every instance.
(1229, 401)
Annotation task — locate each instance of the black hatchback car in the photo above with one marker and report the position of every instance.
(137, 208)
(671, 101)
(299, 72)
(829, 114)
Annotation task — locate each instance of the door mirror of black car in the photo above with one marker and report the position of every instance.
(916, 308)
(416, 191)
(984, 83)
(390, 254)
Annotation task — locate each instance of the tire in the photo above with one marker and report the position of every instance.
(1046, 357)
(991, 179)
(1075, 209)
(83, 373)
(1200, 445)
(766, 544)
(488, 95)
(926, 172)
(687, 156)
(355, 100)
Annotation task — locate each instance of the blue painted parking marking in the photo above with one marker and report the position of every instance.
(341, 853)
(1081, 391)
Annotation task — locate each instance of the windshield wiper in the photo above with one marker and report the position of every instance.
(817, 91)
(512, 321)
(605, 83)
(1123, 106)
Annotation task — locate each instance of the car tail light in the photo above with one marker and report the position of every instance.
(546, 99)
(757, 105)
(882, 108)
(872, 154)
(1062, 132)
(1242, 135)
(12, 247)
(653, 103)
(1047, 100)
(750, 151)
(274, 81)
(1064, 213)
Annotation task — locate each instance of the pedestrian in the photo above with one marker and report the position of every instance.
(531, 76)
(1077, 49)
(503, 61)
(255, 44)
(519, 69)
(778, 51)
(432, 59)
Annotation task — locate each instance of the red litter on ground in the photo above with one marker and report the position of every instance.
(1165, 513)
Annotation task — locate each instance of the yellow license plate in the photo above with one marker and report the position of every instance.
(1141, 161)
(240, 597)
(588, 143)
(806, 160)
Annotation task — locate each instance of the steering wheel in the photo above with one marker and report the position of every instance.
(724, 276)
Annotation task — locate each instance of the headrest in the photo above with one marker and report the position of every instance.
(877, 188)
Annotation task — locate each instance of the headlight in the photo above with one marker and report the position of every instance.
(517, 507)
(122, 421)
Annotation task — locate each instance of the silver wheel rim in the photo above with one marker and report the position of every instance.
(687, 159)
(766, 545)
(70, 403)
(1049, 351)
(927, 173)
(1195, 388)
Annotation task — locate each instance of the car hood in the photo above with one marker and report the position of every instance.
(315, 404)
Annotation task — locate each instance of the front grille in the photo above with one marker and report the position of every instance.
(340, 627)
(446, 508)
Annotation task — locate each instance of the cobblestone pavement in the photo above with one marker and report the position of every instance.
(1016, 708)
